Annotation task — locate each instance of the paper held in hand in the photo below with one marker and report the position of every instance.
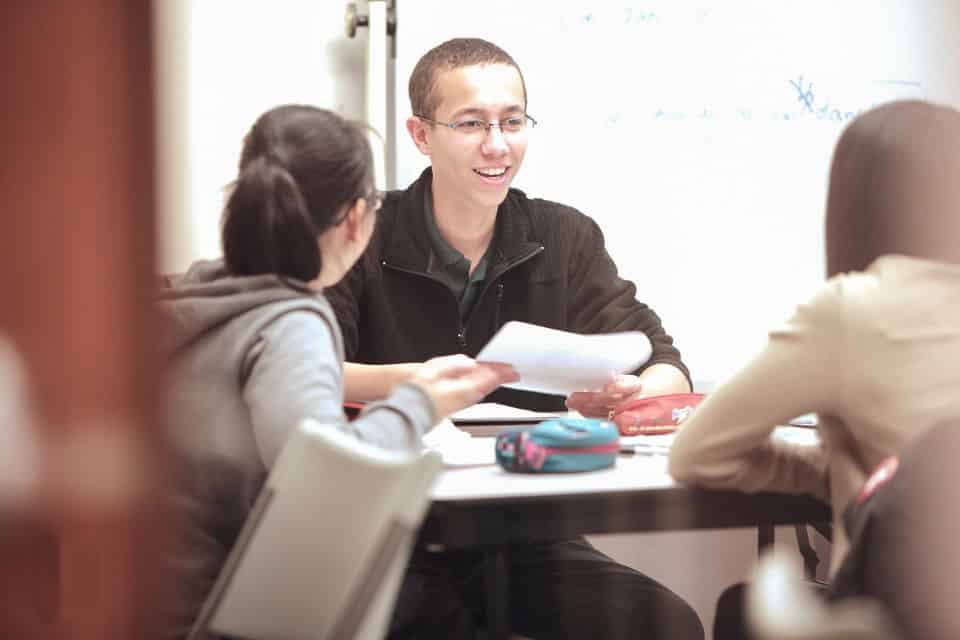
(559, 362)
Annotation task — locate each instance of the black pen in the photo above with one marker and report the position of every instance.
(645, 449)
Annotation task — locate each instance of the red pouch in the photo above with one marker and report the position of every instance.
(655, 415)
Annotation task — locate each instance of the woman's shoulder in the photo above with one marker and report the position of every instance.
(899, 269)
(825, 310)
(896, 276)
(897, 294)
(308, 313)
(304, 328)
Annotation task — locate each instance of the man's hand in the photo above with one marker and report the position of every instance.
(599, 404)
(656, 380)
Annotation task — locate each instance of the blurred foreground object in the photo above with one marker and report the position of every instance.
(781, 606)
(18, 452)
(80, 544)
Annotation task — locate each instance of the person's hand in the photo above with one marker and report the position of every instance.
(598, 404)
(456, 382)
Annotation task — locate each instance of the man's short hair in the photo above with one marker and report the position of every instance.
(453, 54)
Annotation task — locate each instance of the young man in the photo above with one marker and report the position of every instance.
(459, 253)
(455, 256)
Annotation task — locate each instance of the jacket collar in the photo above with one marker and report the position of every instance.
(408, 244)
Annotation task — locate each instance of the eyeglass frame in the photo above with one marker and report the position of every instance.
(374, 195)
(487, 124)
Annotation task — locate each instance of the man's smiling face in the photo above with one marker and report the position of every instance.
(477, 167)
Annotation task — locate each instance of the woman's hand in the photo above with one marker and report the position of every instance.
(456, 382)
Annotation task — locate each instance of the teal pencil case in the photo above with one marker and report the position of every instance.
(562, 445)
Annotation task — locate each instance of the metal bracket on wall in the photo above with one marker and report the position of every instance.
(355, 18)
(379, 18)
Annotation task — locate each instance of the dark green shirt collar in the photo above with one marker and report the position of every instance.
(451, 265)
(442, 250)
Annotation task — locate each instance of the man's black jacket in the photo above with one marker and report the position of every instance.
(548, 266)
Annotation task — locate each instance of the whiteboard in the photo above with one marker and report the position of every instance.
(697, 133)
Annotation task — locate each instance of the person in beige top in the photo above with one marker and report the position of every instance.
(876, 352)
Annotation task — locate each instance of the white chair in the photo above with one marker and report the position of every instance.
(780, 606)
(323, 552)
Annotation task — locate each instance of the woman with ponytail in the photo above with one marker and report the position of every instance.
(255, 348)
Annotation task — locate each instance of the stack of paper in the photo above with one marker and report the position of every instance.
(489, 418)
(559, 362)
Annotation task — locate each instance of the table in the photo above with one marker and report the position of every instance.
(485, 507)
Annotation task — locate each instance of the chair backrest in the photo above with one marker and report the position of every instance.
(781, 607)
(323, 552)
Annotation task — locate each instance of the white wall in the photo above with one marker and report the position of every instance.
(220, 64)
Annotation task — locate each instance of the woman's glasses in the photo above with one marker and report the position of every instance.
(374, 199)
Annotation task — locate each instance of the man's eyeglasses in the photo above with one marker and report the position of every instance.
(473, 126)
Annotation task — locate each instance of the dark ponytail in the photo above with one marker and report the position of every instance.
(300, 169)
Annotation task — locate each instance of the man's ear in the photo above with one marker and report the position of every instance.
(419, 132)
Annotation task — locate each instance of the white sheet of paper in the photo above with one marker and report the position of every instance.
(443, 433)
(494, 413)
(472, 452)
(458, 448)
(560, 362)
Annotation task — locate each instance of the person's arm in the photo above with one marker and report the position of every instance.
(727, 442)
(368, 382)
(602, 302)
(656, 380)
(346, 299)
(293, 372)
(662, 378)
(362, 382)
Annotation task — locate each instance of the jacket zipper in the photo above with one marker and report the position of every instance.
(496, 307)
(462, 332)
